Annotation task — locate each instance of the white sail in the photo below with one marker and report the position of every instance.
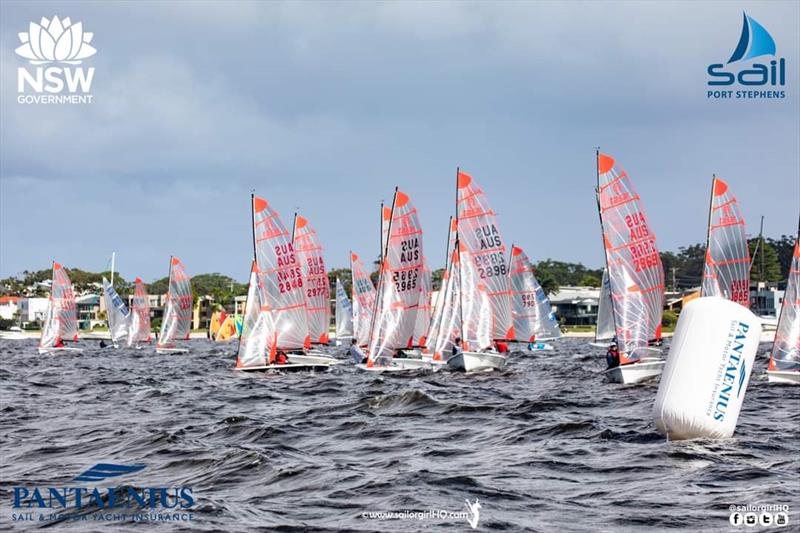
(786, 348)
(61, 319)
(117, 312)
(344, 313)
(605, 330)
(533, 316)
(257, 327)
(139, 329)
(177, 321)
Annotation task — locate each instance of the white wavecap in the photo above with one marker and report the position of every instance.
(709, 364)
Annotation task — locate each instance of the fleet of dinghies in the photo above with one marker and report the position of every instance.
(489, 295)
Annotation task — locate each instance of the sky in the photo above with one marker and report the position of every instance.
(326, 107)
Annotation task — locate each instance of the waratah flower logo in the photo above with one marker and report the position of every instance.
(56, 40)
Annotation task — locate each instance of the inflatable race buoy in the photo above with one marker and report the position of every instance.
(707, 370)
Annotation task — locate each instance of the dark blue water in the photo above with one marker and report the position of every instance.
(545, 446)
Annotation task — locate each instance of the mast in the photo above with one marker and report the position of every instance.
(708, 231)
(384, 252)
(605, 252)
(460, 275)
(113, 258)
(294, 227)
(253, 221)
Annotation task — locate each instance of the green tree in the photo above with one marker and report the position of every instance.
(766, 264)
(784, 248)
(345, 276)
(590, 280)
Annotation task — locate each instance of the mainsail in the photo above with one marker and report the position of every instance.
(786, 348)
(282, 280)
(258, 329)
(139, 330)
(61, 318)
(401, 284)
(442, 304)
(727, 266)
(344, 313)
(533, 317)
(635, 274)
(605, 330)
(364, 295)
(227, 329)
(177, 319)
(315, 279)
(118, 314)
(481, 238)
(477, 323)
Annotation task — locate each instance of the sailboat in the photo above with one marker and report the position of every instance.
(177, 321)
(727, 265)
(484, 288)
(316, 285)
(441, 331)
(227, 330)
(605, 331)
(344, 315)
(364, 296)
(61, 319)
(784, 361)
(635, 274)
(282, 287)
(139, 329)
(534, 320)
(258, 344)
(117, 313)
(400, 286)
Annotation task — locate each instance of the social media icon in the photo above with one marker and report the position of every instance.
(781, 519)
(736, 519)
(750, 519)
(765, 519)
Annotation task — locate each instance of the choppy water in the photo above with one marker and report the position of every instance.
(545, 446)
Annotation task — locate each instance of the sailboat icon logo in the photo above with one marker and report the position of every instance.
(755, 41)
(473, 512)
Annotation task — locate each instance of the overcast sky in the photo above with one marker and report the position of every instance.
(326, 107)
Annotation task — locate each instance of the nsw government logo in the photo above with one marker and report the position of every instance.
(55, 48)
(764, 78)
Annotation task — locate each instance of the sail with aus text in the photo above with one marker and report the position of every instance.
(315, 279)
(177, 321)
(61, 319)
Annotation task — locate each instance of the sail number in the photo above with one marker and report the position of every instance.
(405, 280)
(491, 265)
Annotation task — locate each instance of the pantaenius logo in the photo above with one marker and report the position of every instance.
(754, 42)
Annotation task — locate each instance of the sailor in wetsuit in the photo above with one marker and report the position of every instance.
(612, 356)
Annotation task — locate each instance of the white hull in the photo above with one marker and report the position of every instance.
(399, 365)
(538, 347)
(783, 376)
(635, 372)
(171, 350)
(431, 361)
(13, 336)
(61, 349)
(477, 361)
(288, 367)
(312, 358)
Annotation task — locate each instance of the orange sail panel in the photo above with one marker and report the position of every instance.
(401, 284)
(140, 315)
(283, 287)
(177, 321)
(479, 233)
(727, 267)
(363, 300)
(786, 348)
(257, 326)
(61, 318)
(635, 274)
(316, 285)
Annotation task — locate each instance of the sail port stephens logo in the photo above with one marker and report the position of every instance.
(55, 48)
(762, 80)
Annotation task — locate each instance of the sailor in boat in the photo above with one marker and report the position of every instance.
(612, 355)
(280, 358)
(501, 346)
(532, 344)
(356, 353)
(103, 343)
(456, 346)
(59, 343)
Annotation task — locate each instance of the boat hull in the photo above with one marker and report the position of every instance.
(537, 347)
(477, 361)
(312, 358)
(171, 350)
(400, 365)
(783, 376)
(635, 372)
(61, 349)
(600, 344)
(288, 367)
